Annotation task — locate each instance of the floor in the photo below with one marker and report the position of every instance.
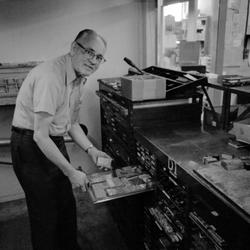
(97, 229)
(9, 185)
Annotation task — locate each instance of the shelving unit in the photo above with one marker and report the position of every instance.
(11, 78)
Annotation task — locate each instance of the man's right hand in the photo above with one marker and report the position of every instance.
(79, 179)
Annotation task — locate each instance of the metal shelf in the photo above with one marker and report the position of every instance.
(7, 101)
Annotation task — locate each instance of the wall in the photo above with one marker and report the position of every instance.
(36, 30)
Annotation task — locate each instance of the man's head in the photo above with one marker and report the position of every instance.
(87, 52)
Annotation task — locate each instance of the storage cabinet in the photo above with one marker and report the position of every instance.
(165, 137)
(120, 116)
(119, 119)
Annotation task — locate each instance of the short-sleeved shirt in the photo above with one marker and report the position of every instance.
(51, 87)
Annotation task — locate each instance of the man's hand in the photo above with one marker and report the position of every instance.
(95, 154)
(79, 179)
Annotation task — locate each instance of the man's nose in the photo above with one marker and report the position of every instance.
(93, 60)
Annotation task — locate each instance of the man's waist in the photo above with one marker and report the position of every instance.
(29, 132)
(23, 131)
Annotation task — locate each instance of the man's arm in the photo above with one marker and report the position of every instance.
(79, 136)
(42, 121)
(82, 140)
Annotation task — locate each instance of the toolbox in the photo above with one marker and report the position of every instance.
(178, 82)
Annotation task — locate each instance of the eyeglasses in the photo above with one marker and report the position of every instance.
(91, 54)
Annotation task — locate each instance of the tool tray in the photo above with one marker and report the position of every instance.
(122, 182)
(177, 82)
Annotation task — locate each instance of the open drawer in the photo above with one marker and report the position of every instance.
(122, 182)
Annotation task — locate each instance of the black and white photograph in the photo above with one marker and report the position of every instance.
(124, 125)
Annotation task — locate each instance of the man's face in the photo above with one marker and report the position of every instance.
(87, 55)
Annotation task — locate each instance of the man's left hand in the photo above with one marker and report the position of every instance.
(96, 154)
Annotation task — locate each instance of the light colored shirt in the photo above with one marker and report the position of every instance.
(51, 87)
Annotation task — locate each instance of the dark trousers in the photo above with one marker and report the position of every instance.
(50, 200)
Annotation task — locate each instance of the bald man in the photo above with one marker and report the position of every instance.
(47, 108)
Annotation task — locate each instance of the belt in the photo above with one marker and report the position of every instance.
(22, 131)
(25, 131)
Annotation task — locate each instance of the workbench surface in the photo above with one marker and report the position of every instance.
(187, 145)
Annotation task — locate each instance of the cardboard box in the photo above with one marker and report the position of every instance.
(143, 87)
(241, 129)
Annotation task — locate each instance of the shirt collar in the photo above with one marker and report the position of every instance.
(70, 73)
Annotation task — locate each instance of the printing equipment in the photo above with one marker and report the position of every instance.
(189, 208)
(206, 206)
(119, 115)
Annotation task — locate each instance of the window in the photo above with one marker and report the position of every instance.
(187, 33)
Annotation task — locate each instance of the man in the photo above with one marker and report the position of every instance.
(46, 109)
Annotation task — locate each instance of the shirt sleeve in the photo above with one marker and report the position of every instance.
(46, 94)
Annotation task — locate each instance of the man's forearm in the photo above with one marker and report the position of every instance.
(79, 136)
